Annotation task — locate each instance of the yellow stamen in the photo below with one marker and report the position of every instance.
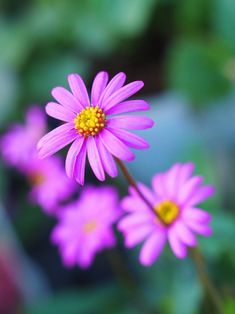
(167, 211)
(90, 226)
(90, 121)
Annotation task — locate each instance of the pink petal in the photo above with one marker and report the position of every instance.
(122, 94)
(72, 156)
(147, 193)
(56, 140)
(152, 248)
(128, 106)
(133, 220)
(130, 122)
(66, 99)
(117, 81)
(115, 146)
(132, 204)
(184, 234)
(200, 228)
(130, 139)
(135, 236)
(177, 246)
(188, 189)
(196, 214)
(107, 159)
(158, 184)
(94, 158)
(200, 195)
(171, 180)
(185, 172)
(59, 112)
(79, 171)
(98, 87)
(78, 89)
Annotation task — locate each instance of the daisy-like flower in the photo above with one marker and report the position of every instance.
(49, 183)
(174, 216)
(89, 127)
(85, 226)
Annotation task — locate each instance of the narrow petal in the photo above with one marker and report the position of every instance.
(72, 156)
(115, 84)
(130, 139)
(188, 189)
(196, 214)
(185, 173)
(78, 89)
(55, 140)
(59, 112)
(115, 146)
(147, 193)
(130, 122)
(158, 184)
(152, 248)
(200, 228)
(201, 195)
(79, 171)
(122, 94)
(98, 87)
(135, 236)
(107, 159)
(133, 220)
(94, 158)
(128, 106)
(177, 246)
(172, 180)
(66, 99)
(184, 234)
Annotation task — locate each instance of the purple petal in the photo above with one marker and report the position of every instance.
(177, 246)
(115, 146)
(79, 171)
(201, 194)
(184, 234)
(59, 112)
(128, 106)
(72, 156)
(131, 140)
(200, 228)
(78, 89)
(115, 84)
(132, 221)
(185, 172)
(188, 189)
(94, 158)
(158, 184)
(66, 99)
(196, 214)
(171, 180)
(152, 248)
(135, 236)
(147, 193)
(107, 159)
(122, 94)
(98, 87)
(130, 122)
(55, 140)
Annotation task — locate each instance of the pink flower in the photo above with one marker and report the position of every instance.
(90, 129)
(47, 177)
(19, 143)
(174, 199)
(85, 226)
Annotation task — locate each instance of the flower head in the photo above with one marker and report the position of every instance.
(85, 226)
(174, 216)
(89, 127)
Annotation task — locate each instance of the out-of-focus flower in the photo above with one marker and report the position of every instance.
(90, 129)
(85, 226)
(18, 145)
(174, 199)
(49, 183)
(47, 177)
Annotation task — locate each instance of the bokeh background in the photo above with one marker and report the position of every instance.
(184, 51)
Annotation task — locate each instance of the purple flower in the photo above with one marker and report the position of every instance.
(18, 145)
(85, 226)
(90, 129)
(174, 198)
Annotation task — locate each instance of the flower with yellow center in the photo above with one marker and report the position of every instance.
(167, 212)
(90, 121)
(90, 226)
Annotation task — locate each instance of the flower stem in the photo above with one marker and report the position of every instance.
(205, 280)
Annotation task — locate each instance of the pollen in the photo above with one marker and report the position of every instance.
(90, 121)
(90, 226)
(167, 212)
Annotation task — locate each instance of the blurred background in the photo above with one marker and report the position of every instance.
(184, 51)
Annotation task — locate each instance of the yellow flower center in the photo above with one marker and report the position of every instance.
(90, 121)
(36, 178)
(167, 211)
(90, 226)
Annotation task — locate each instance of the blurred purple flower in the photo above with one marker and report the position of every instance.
(49, 182)
(174, 198)
(85, 226)
(89, 128)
